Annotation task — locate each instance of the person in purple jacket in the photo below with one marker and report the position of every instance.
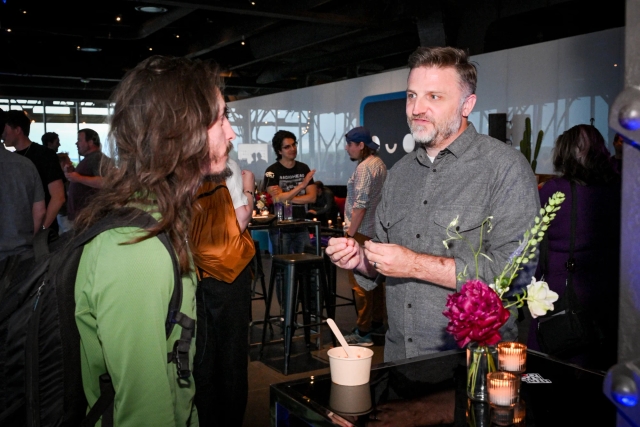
(580, 156)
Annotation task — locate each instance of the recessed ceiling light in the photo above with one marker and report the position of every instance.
(118, 18)
(24, 12)
(8, 30)
(177, 36)
(89, 49)
(151, 9)
(150, 48)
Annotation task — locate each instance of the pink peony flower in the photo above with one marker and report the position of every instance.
(475, 314)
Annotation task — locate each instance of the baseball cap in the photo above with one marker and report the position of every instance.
(361, 134)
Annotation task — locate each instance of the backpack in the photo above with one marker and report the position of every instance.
(40, 371)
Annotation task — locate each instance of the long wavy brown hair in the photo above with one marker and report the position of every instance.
(158, 138)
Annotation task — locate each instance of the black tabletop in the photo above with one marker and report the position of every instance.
(431, 390)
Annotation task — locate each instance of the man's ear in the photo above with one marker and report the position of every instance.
(468, 105)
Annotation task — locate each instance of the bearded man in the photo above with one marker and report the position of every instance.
(455, 172)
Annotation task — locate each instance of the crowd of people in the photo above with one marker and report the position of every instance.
(170, 138)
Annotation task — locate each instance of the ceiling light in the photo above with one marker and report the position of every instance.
(151, 9)
(89, 49)
(150, 48)
(118, 18)
(24, 12)
(8, 30)
(177, 36)
(242, 42)
(253, 3)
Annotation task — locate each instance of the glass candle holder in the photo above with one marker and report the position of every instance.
(503, 388)
(512, 357)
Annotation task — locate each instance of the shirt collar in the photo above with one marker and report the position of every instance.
(457, 147)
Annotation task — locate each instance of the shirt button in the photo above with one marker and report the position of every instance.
(408, 305)
(417, 236)
(424, 202)
(410, 340)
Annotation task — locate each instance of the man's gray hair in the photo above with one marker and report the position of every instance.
(442, 57)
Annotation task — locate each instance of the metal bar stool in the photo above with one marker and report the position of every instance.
(332, 279)
(297, 269)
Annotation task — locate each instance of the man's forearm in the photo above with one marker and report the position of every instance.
(434, 269)
(52, 210)
(90, 181)
(56, 190)
(38, 211)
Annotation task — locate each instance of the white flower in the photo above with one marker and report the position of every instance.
(260, 204)
(540, 298)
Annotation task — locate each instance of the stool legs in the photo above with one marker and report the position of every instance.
(289, 282)
(267, 312)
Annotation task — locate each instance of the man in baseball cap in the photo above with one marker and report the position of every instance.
(364, 191)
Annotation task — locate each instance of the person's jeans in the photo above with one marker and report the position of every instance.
(222, 350)
(293, 240)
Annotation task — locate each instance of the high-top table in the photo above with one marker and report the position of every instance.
(433, 388)
(284, 224)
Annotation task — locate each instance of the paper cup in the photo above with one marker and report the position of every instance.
(350, 371)
(350, 400)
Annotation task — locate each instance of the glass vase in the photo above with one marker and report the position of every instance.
(480, 361)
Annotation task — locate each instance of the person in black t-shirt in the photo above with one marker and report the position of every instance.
(16, 134)
(288, 180)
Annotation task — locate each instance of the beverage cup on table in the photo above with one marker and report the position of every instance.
(279, 212)
(350, 371)
(288, 210)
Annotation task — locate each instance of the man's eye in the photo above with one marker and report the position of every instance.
(435, 97)
(411, 95)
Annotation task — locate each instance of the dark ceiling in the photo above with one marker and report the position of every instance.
(265, 46)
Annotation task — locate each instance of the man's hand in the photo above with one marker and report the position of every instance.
(391, 260)
(248, 180)
(344, 252)
(72, 176)
(307, 177)
(274, 190)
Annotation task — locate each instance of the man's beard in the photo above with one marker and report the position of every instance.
(438, 133)
(220, 177)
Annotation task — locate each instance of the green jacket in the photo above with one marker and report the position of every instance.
(122, 295)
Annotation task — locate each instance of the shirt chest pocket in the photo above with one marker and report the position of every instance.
(468, 221)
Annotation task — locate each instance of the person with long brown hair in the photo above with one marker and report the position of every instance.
(581, 159)
(166, 134)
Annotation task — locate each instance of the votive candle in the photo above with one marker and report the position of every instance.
(503, 388)
(315, 219)
(512, 357)
(329, 223)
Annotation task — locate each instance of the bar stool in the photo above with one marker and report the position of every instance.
(258, 274)
(332, 278)
(297, 270)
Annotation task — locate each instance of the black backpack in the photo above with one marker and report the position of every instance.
(40, 374)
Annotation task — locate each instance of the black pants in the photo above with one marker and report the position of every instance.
(222, 350)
